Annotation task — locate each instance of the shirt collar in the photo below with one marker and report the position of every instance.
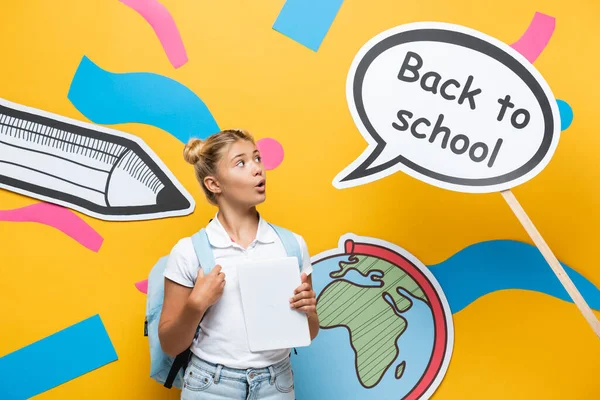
(218, 237)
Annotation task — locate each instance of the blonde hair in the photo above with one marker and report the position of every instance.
(205, 155)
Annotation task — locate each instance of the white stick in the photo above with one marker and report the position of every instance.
(552, 261)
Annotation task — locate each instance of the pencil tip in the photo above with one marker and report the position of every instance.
(172, 199)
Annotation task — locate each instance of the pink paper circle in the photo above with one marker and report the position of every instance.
(142, 286)
(271, 152)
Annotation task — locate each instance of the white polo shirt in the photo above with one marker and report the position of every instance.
(222, 339)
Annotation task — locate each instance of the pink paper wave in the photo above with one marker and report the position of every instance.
(536, 37)
(164, 27)
(59, 218)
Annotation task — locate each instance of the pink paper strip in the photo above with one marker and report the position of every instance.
(142, 286)
(59, 218)
(164, 27)
(536, 37)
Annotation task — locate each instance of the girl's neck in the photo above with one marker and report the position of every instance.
(240, 224)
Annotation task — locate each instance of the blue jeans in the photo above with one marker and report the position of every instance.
(207, 381)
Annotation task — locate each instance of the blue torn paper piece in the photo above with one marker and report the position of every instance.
(487, 267)
(152, 99)
(56, 359)
(307, 21)
(566, 114)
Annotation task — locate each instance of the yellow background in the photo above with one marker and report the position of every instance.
(509, 345)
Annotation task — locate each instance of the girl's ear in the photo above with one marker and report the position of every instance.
(212, 184)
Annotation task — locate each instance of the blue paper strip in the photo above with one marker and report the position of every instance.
(486, 267)
(307, 21)
(52, 361)
(108, 98)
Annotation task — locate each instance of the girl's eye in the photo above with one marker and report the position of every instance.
(258, 159)
(240, 163)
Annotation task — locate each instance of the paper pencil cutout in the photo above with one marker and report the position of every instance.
(98, 171)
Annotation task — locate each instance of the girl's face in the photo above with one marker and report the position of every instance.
(241, 175)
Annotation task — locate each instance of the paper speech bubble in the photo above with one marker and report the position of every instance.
(450, 106)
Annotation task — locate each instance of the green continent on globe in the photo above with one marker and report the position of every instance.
(374, 322)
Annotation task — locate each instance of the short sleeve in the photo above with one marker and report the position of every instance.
(182, 264)
(306, 264)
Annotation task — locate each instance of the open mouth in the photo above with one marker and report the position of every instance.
(261, 184)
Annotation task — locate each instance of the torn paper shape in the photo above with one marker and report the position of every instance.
(67, 354)
(58, 218)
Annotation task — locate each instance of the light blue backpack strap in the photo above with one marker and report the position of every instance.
(205, 256)
(290, 243)
(203, 250)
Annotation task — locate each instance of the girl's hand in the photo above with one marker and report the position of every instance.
(304, 298)
(207, 289)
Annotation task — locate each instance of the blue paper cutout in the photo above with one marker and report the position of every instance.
(495, 265)
(56, 359)
(307, 21)
(109, 98)
(566, 114)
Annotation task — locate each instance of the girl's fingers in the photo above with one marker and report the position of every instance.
(304, 302)
(303, 295)
(308, 309)
(302, 288)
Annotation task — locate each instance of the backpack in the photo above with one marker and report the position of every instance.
(164, 368)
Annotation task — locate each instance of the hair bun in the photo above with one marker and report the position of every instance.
(193, 150)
